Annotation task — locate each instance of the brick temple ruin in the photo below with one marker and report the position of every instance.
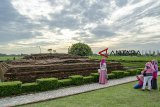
(60, 66)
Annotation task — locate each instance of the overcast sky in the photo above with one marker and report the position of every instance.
(57, 24)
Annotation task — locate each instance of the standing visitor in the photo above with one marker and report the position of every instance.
(103, 71)
(147, 73)
(155, 74)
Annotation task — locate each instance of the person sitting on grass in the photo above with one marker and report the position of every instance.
(140, 82)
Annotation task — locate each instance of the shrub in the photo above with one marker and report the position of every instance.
(139, 70)
(80, 49)
(111, 76)
(64, 82)
(10, 88)
(126, 74)
(118, 74)
(88, 79)
(132, 72)
(95, 77)
(47, 83)
(29, 87)
(76, 79)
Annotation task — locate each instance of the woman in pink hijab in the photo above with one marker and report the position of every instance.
(103, 71)
(147, 73)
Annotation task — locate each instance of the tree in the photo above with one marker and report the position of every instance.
(50, 50)
(80, 49)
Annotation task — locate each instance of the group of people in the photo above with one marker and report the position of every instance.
(148, 75)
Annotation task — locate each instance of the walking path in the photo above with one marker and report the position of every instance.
(30, 98)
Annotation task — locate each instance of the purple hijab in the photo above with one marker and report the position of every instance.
(103, 61)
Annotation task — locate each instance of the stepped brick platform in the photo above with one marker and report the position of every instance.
(60, 66)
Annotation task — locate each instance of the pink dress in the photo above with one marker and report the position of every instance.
(103, 73)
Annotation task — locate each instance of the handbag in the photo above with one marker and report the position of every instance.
(99, 70)
(144, 73)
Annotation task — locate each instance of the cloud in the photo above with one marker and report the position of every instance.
(99, 23)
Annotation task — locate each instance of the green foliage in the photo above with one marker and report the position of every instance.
(76, 79)
(139, 70)
(88, 79)
(118, 74)
(10, 88)
(29, 87)
(47, 83)
(111, 76)
(80, 49)
(126, 74)
(132, 72)
(64, 82)
(95, 77)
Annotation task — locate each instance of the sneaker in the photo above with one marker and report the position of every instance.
(148, 90)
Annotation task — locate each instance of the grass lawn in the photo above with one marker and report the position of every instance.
(128, 58)
(129, 61)
(116, 96)
(3, 58)
(133, 64)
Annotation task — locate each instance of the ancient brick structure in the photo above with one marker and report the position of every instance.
(51, 65)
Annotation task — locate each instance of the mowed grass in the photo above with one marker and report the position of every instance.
(128, 58)
(117, 96)
(129, 61)
(4, 58)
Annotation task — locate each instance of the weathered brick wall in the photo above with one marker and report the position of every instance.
(59, 67)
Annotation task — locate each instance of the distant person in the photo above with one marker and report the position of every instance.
(147, 73)
(155, 74)
(140, 82)
(103, 71)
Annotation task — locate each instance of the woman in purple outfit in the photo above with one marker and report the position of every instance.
(103, 71)
(155, 74)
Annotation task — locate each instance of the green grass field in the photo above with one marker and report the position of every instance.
(129, 61)
(4, 58)
(116, 96)
(128, 58)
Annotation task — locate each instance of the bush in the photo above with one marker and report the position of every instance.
(139, 70)
(118, 74)
(29, 87)
(76, 79)
(10, 88)
(64, 82)
(88, 79)
(47, 83)
(132, 72)
(111, 76)
(80, 49)
(95, 77)
(126, 74)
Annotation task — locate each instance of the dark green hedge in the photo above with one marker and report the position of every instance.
(77, 79)
(88, 79)
(29, 87)
(111, 76)
(118, 74)
(47, 83)
(10, 88)
(43, 84)
(126, 74)
(95, 77)
(64, 82)
(132, 72)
